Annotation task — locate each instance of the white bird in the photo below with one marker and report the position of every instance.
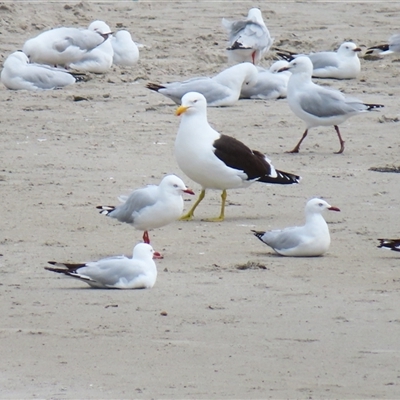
(309, 240)
(19, 74)
(391, 244)
(218, 161)
(388, 48)
(126, 52)
(118, 272)
(100, 59)
(249, 39)
(62, 46)
(150, 207)
(221, 90)
(341, 64)
(271, 84)
(317, 105)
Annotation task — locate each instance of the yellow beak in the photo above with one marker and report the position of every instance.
(180, 110)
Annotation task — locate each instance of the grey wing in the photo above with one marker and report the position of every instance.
(136, 201)
(324, 103)
(45, 78)
(324, 59)
(283, 239)
(394, 42)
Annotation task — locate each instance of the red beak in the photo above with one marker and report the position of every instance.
(188, 191)
(333, 209)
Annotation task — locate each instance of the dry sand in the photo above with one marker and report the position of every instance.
(325, 327)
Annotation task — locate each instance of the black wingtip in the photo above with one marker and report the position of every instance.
(282, 178)
(381, 47)
(258, 234)
(105, 210)
(154, 86)
(374, 106)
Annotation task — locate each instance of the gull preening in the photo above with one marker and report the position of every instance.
(310, 240)
(393, 46)
(221, 90)
(150, 207)
(218, 161)
(117, 272)
(341, 64)
(391, 244)
(63, 46)
(249, 39)
(126, 52)
(317, 105)
(19, 74)
(270, 84)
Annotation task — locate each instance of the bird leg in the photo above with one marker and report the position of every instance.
(297, 148)
(190, 214)
(253, 57)
(222, 213)
(340, 140)
(146, 238)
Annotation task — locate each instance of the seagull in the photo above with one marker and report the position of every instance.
(100, 59)
(271, 84)
(341, 64)
(392, 244)
(126, 52)
(19, 74)
(249, 39)
(62, 46)
(151, 206)
(218, 161)
(220, 90)
(392, 47)
(118, 272)
(317, 105)
(309, 240)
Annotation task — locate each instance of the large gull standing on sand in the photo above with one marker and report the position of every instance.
(150, 207)
(341, 64)
(310, 240)
(19, 74)
(221, 90)
(317, 105)
(249, 39)
(63, 46)
(118, 272)
(218, 161)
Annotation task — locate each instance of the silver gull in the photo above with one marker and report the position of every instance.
(126, 52)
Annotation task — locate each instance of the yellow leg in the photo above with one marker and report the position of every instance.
(222, 213)
(190, 214)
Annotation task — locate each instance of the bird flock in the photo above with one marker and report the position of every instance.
(56, 58)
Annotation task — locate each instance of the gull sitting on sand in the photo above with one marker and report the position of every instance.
(126, 52)
(118, 272)
(221, 90)
(150, 207)
(309, 240)
(218, 161)
(341, 64)
(317, 105)
(19, 74)
(249, 39)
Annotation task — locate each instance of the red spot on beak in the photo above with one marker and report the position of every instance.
(188, 191)
(157, 255)
(333, 209)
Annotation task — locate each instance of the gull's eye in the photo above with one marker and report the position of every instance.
(175, 186)
(321, 204)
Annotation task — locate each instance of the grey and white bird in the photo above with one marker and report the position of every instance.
(63, 46)
(271, 84)
(249, 39)
(393, 46)
(217, 161)
(150, 207)
(126, 52)
(391, 244)
(341, 64)
(310, 240)
(19, 74)
(317, 105)
(117, 272)
(221, 90)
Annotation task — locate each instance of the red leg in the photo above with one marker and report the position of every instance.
(297, 148)
(253, 56)
(146, 238)
(340, 140)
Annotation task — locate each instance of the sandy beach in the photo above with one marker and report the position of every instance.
(228, 318)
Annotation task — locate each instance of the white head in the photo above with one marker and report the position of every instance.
(18, 57)
(300, 65)
(255, 16)
(348, 49)
(278, 65)
(100, 27)
(174, 185)
(317, 206)
(143, 251)
(123, 36)
(192, 103)
(250, 73)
